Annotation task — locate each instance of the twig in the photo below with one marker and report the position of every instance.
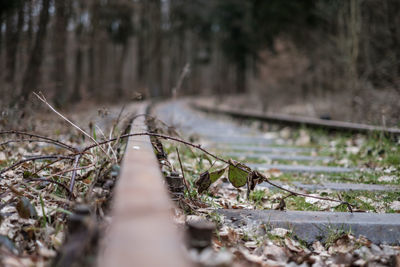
(96, 178)
(43, 99)
(349, 206)
(183, 175)
(73, 175)
(178, 86)
(109, 145)
(54, 197)
(44, 138)
(33, 159)
(54, 182)
(69, 170)
(160, 136)
(46, 166)
(220, 159)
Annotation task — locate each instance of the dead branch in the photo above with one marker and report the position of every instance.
(183, 175)
(46, 166)
(69, 170)
(166, 137)
(73, 175)
(349, 206)
(43, 99)
(44, 138)
(33, 159)
(293, 193)
(53, 182)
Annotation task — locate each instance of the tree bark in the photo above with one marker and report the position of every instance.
(33, 71)
(241, 78)
(29, 31)
(155, 75)
(119, 71)
(92, 48)
(13, 31)
(59, 53)
(141, 47)
(76, 93)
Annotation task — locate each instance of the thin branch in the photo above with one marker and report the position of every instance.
(53, 182)
(73, 175)
(69, 170)
(43, 99)
(349, 206)
(160, 136)
(220, 159)
(33, 159)
(109, 145)
(183, 175)
(89, 193)
(46, 166)
(44, 138)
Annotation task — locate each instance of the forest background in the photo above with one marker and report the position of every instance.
(332, 58)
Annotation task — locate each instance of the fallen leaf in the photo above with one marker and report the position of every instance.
(203, 182)
(238, 173)
(25, 209)
(254, 178)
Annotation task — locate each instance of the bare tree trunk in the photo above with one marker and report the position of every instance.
(76, 93)
(33, 71)
(13, 31)
(155, 75)
(241, 77)
(394, 28)
(92, 48)
(141, 56)
(119, 71)
(60, 52)
(29, 31)
(1, 33)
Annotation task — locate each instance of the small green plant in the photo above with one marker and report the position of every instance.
(257, 196)
(333, 234)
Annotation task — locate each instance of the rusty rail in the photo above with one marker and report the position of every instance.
(141, 232)
(297, 120)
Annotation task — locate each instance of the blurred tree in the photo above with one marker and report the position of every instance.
(60, 42)
(117, 20)
(14, 23)
(33, 71)
(80, 9)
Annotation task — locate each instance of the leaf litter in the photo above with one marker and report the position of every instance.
(37, 198)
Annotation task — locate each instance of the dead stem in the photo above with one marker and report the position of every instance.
(43, 138)
(54, 182)
(46, 166)
(73, 175)
(33, 159)
(69, 170)
(183, 175)
(43, 99)
(349, 206)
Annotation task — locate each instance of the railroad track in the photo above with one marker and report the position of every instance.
(296, 120)
(142, 227)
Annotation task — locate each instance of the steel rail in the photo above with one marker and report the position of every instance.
(296, 120)
(141, 232)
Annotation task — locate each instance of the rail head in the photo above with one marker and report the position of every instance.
(141, 232)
